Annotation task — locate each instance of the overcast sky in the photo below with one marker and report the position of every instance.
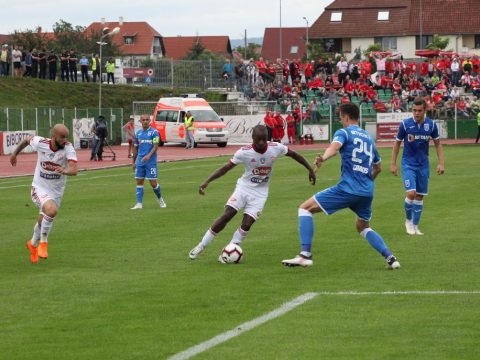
(169, 18)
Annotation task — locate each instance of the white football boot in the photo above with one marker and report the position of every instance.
(197, 250)
(298, 260)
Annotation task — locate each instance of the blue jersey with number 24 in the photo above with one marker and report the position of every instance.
(358, 153)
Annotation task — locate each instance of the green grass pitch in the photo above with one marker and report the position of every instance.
(118, 283)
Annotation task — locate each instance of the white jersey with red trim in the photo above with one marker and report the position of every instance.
(258, 167)
(47, 160)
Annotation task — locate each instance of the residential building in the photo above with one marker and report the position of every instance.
(178, 47)
(400, 25)
(285, 43)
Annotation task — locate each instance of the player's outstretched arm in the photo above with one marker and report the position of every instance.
(218, 173)
(441, 164)
(300, 159)
(331, 151)
(25, 142)
(393, 164)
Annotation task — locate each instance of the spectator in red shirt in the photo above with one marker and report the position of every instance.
(269, 121)
(278, 131)
(290, 128)
(380, 106)
(396, 104)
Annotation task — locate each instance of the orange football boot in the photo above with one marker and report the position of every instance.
(33, 252)
(42, 250)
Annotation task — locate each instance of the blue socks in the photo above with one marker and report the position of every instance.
(376, 241)
(417, 211)
(157, 191)
(305, 230)
(408, 209)
(139, 194)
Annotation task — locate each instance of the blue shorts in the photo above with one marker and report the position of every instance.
(146, 171)
(333, 199)
(416, 178)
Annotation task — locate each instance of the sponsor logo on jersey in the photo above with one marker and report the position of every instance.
(426, 127)
(262, 160)
(48, 165)
(262, 170)
(49, 176)
(259, 180)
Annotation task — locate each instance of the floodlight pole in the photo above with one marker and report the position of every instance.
(306, 29)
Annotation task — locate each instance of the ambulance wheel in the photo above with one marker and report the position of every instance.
(223, 144)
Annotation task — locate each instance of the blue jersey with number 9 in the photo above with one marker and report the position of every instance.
(358, 153)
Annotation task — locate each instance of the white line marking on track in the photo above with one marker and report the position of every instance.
(249, 325)
(194, 350)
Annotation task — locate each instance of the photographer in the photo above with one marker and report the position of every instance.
(100, 130)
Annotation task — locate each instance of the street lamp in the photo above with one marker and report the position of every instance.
(306, 28)
(106, 33)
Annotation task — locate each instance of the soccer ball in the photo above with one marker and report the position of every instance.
(231, 254)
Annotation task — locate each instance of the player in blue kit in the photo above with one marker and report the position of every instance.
(416, 133)
(360, 166)
(145, 161)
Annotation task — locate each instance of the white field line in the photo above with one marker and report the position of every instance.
(249, 325)
(194, 350)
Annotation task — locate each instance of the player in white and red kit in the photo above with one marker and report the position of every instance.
(251, 191)
(56, 159)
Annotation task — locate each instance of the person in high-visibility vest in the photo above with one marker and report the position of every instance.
(110, 67)
(96, 68)
(478, 132)
(188, 122)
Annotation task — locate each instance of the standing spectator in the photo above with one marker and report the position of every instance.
(28, 64)
(17, 61)
(332, 101)
(227, 74)
(415, 133)
(354, 190)
(251, 191)
(279, 70)
(42, 62)
(110, 68)
(455, 68)
(466, 81)
(262, 69)
(189, 127)
(467, 65)
(72, 65)
(52, 60)
(290, 119)
(56, 159)
(279, 130)
(4, 60)
(35, 60)
(342, 70)
(380, 62)
(145, 162)
(84, 65)
(64, 69)
(239, 73)
(129, 129)
(313, 109)
(100, 131)
(96, 68)
(269, 121)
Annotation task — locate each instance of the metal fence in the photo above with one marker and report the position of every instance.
(41, 119)
(168, 73)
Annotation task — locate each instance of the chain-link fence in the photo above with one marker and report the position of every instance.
(42, 119)
(168, 73)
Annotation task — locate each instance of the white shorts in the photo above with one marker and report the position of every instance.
(40, 196)
(251, 204)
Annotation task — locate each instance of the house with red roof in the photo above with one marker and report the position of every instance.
(290, 42)
(136, 40)
(400, 25)
(178, 47)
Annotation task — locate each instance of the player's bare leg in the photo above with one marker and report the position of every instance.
(49, 211)
(217, 226)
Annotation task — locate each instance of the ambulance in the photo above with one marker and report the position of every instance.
(168, 120)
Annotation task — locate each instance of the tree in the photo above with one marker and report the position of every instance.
(196, 50)
(29, 39)
(438, 43)
(252, 51)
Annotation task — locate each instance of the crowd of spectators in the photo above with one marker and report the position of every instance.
(43, 64)
(383, 83)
